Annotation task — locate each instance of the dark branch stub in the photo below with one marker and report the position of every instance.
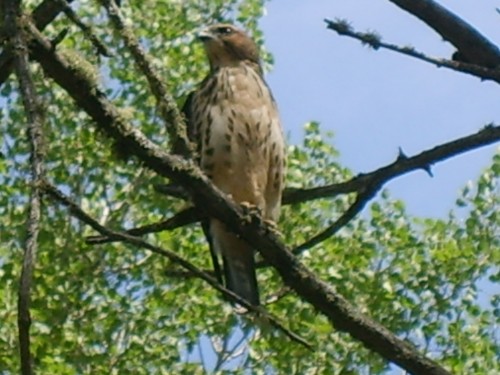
(188, 216)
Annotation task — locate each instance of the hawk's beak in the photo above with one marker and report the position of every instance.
(205, 35)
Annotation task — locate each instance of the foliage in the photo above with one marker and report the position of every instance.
(113, 308)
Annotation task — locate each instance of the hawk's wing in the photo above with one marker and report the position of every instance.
(205, 223)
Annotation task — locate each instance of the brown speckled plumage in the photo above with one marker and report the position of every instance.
(234, 121)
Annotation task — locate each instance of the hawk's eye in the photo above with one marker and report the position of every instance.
(224, 30)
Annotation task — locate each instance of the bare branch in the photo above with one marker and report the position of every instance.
(488, 135)
(342, 27)
(474, 46)
(33, 111)
(369, 184)
(212, 201)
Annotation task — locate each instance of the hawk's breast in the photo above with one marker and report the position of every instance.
(239, 135)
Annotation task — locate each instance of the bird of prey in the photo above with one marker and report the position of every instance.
(233, 120)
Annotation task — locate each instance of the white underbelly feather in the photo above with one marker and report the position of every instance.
(240, 142)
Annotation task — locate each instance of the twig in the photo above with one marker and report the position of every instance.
(86, 30)
(468, 40)
(225, 355)
(33, 111)
(182, 218)
(342, 27)
(166, 104)
(356, 207)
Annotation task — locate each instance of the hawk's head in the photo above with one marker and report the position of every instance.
(226, 45)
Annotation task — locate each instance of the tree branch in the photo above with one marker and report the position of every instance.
(356, 207)
(185, 217)
(171, 115)
(34, 116)
(81, 215)
(215, 204)
(369, 184)
(366, 184)
(486, 136)
(85, 29)
(342, 27)
(474, 46)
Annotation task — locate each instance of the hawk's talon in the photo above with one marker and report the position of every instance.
(250, 208)
(251, 211)
(272, 227)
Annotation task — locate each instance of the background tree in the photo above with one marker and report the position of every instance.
(119, 308)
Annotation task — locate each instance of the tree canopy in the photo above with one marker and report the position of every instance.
(89, 109)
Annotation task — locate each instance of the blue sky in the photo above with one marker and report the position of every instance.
(377, 101)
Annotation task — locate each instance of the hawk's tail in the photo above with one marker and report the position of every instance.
(239, 262)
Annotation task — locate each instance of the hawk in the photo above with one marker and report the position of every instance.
(233, 120)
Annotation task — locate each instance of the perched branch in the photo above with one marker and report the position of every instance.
(81, 215)
(166, 104)
(342, 27)
(33, 111)
(215, 204)
(43, 14)
(366, 185)
(474, 46)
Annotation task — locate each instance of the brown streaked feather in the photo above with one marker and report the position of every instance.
(240, 142)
